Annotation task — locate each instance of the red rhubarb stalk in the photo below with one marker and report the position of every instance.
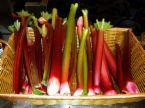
(126, 60)
(29, 53)
(30, 66)
(94, 38)
(98, 57)
(110, 60)
(105, 77)
(64, 89)
(38, 52)
(120, 80)
(56, 60)
(33, 52)
(18, 56)
(47, 55)
(47, 37)
(98, 61)
(101, 26)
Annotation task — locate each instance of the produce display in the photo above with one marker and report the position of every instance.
(68, 56)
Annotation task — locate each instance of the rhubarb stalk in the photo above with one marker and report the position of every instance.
(54, 15)
(98, 61)
(120, 80)
(126, 60)
(47, 55)
(80, 64)
(106, 84)
(110, 60)
(64, 89)
(32, 69)
(56, 61)
(73, 66)
(80, 75)
(47, 44)
(88, 74)
(101, 26)
(17, 76)
(79, 26)
(94, 38)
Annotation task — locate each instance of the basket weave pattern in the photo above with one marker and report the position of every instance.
(6, 75)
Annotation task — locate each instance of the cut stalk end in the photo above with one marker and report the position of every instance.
(132, 87)
(91, 92)
(110, 92)
(53, 86)
(64, 89)
(78, 92)
(97, 89)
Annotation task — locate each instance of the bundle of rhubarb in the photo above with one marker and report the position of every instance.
(59, 56)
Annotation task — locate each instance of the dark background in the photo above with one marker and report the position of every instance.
(121, 13)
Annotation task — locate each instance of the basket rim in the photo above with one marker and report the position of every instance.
(74, 100)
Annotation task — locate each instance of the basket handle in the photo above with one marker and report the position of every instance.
(6, 43)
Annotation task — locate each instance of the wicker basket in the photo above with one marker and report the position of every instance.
(137, 69)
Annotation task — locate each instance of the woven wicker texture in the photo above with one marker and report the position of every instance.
(138, 62)
(137, 53)
(111, 35)
(6, 75)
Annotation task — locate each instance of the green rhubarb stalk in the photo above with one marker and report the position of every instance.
(54, 15)
(46, 63)
(102, 25)
(46, 31)
(85, 18)
(73, 65)
(46, 15)
(82, 58)
(67, 47)
(23, 13)
(15, 26)
(38, 92)
(85, 69)
(87, 79)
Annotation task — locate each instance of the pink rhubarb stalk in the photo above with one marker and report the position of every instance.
(79, 26)
(105, 77)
